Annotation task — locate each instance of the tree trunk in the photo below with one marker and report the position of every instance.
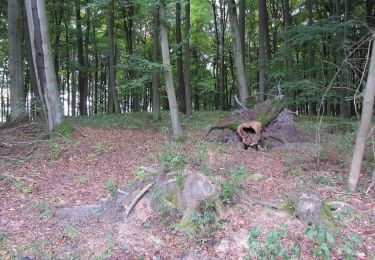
(222, 99)
(241, 25)
(287, 48)
(176, 126)
(262, 51)
(42, 58)
(86, 59)
(113, 104)
(311, 104)
(180, 69)
(237, 52)
(155, 73)
(17, 96)
(187, 60)
(364, 127)
(81, 64)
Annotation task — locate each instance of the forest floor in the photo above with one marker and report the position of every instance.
(39, 178)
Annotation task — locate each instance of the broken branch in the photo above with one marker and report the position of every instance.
(138, 197)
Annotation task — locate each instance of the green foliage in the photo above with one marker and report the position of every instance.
(348, 250)
(201, 224)
(323, 239)
(344, 215)
(231, 183)
(70, 232)
(111, 187)
(271, 247)
(44, 210)
(64, 129)
(172, 158)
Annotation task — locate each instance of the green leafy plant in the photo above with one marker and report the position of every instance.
(44, 210)
(70, 232)
(201, 153)
(231, 183)
(324, 241)
(270, 247)
(348, 250)
(171, 158)
(110, 186)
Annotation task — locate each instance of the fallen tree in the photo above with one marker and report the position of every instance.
(268, 120)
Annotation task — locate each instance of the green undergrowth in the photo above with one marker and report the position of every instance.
(200, 121)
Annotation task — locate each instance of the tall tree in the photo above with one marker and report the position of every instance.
(42, 58)
(187, 60)
(241, 25)
(180, 70)
(237, 52)
(82, 72)
(17, 96)
(155, 71)
(364, 127)
(176, 126)
(262, 49)
(113, 104)
(223, 73)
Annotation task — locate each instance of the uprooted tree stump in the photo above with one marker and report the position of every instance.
(268, 120)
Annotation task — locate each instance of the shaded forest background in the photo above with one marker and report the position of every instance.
(308, 47)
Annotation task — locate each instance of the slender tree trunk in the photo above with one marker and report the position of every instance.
(187, 60)
(180, 69)
(86, 59)
(155, 73)
(311, 104)
(364, 127)
(176, 126)
(216, 60)
(113, 104)
(262, 49)
(267, 43)
(42, 58)
(241, 26)
(222, 99)
(287, 48)
(237, 52)
(96, 74)
(81, 64)
(345, 76)
(17, 97)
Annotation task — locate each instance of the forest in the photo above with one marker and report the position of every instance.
(203, 129)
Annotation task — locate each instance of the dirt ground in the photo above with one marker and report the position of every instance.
(39, 179)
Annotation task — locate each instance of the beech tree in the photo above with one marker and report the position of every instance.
(17, 96)
(42, 59)
(176, 126)
(237, 52)
(364, 127)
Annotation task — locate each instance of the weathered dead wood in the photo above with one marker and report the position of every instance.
(243, 123)
(138, 197)
(250, 133)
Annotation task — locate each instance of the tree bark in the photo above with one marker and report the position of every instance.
(113, 104)
(17, 97)
(364, 127)
(237, 52)
(222, 99)
(262, 49)
(176, 126)
(187, 60)
(155, 73)
(42, 58)
(180, 69)
(241, 25)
